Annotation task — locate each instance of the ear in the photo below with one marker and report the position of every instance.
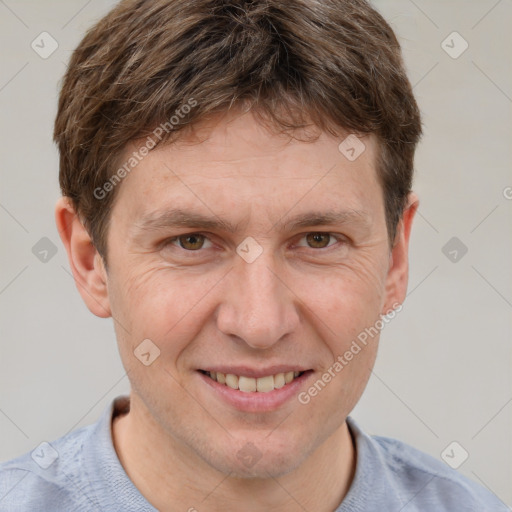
(398, 273)
(85, 261)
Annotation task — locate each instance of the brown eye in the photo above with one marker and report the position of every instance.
(318, 240)
(191, 242)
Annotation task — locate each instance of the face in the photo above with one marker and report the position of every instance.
(253, 255)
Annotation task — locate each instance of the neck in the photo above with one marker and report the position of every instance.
(173, 477)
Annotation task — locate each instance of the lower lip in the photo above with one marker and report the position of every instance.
(257, 401)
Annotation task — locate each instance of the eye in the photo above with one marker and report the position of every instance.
(193, 242)
(319, 240)
(190, 241)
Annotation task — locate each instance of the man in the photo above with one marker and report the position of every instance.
(236, 182)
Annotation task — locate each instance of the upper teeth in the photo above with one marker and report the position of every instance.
(250, 384)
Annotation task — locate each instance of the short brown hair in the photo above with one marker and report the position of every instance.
(335, 64)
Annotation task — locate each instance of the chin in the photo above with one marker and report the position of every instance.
(248, 462)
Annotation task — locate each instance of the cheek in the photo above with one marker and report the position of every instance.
(347, 308)
(161, 304)
(352, 341)
(347, 298)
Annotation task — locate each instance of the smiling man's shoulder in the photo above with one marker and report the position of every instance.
(391, 473)
(79, 471)
(47, 477)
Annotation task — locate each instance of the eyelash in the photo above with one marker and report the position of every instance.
(338, 238)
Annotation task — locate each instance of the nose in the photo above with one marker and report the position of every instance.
(257, 305)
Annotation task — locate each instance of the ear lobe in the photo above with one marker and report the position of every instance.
(86, 263)
(398, 273)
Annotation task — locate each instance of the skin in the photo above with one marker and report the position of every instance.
(298, 303)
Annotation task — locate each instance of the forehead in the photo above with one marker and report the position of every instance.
(236, 164)
(231, 139)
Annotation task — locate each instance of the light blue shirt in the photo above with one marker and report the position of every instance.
(81, 472)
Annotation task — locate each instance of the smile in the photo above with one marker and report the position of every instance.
(263, 384)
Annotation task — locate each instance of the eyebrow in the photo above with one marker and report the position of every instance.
(179, 218)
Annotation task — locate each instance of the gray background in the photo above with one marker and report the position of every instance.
(444, 367)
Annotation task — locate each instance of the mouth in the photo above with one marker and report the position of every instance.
(253, 391)
(263, 384)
